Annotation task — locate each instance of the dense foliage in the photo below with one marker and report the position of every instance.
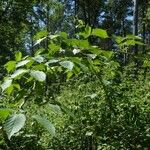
(86, 88)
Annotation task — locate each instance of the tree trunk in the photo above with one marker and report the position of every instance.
(123, 27)
(31, 37)
(143, 24)
(47, 26)
(135, 23)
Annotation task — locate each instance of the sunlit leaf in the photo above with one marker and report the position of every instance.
(76, 51)
(10, 66)
(18, 73)
(38, 75)
(41, 34)
(67, 64)
(52, 61)
(39, 59)
(53, 36)
(18, 56)
(53, 48)
(79, 43)
(7, 83)
(9, 90)
(22, 63)
(86, 33)
(93, 56)
(14, 124)
(100, 33)
(39, 41)
(4, 112)
(17, 86)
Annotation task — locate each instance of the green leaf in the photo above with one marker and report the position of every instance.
(39, 51)
(67, 64)
(22, 63)
(46, 124)
(69, 75)
(55, 108)
(39, 59)
(18, 56)
(14, 123)
(92, 56)
(18, 73)
(53, 48)
(52, 61)
(38, 75)
(131, 43)
(39, 41)
(107, 54)
(79, 43)
(64, 35)
(76, 51)
(7, 83)
(53, 36)
(100, 33)
(133, 37)
(41, 34)
(129, 40)
(86, 33)
(4, 112)
(39, 67)
(146, 63)
(95, 50)
(118, 39)
(17, 86)
(88, 30)
(10, 66)
(9, 90)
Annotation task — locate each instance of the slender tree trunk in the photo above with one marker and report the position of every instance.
(135, 33)
(31, 37)
(47, 26)
(47, 47)
(123, 28)
(84, 12)
(89, 13)
(135, 22)
(135, 18)
(124, 35)
(143, 24)
(76, 7)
